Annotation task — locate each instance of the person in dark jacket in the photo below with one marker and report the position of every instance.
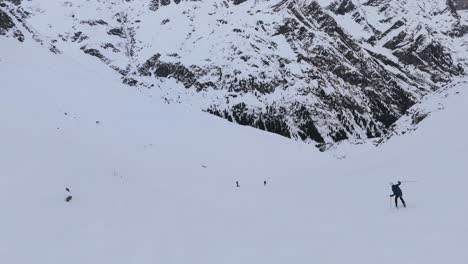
(398, 194)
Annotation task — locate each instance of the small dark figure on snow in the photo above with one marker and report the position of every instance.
(237, 183)
(264, 183)
(398, 194)
(69, 197)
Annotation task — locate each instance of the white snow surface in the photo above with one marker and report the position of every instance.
(153, 183)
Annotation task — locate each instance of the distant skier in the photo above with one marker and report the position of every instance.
(69, 197)
(264, 183)
(237, 183)
(398, 194)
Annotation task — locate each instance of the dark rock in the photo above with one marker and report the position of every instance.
(94, 22)
(79, 37)
(6, 23)
(117, 32)
(343, 7)
(94, 52)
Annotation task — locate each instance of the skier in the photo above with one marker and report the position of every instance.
(69, 197)
(264, 183)
(398, 194)
(237, 183)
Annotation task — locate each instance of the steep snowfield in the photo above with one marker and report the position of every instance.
(153, 183)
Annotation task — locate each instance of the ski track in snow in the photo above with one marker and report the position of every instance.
(153, 183)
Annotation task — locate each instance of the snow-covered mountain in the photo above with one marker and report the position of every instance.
(156, 183)
(318, 71)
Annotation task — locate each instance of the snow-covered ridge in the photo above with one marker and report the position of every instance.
(428, 105)
(317, 72)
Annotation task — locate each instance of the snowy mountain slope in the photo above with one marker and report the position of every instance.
(288, 67)
(105, 142)
(430, 104)
(420, 34)
(153, 183)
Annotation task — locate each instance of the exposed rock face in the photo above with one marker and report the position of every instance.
(461, 4)
(6, 23)
(295, 68)
(7, 20)
(411, 39)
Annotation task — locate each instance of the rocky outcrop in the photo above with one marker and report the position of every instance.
(461, 4)
(6, 23)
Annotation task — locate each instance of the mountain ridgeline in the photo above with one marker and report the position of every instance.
(321, 73)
